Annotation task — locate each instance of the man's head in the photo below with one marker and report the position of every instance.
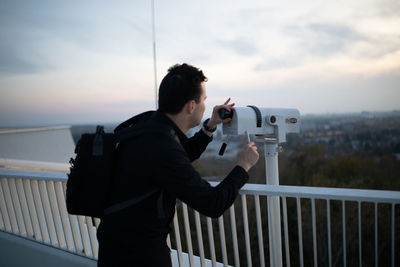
(182, 84)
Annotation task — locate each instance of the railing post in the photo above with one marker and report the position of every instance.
(274, 214)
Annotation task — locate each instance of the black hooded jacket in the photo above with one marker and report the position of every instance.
(161, 160)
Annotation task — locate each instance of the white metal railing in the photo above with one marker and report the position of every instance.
(32, 205)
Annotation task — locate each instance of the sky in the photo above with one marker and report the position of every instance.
(68, 62)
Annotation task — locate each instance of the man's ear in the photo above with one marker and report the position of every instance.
(190, 105)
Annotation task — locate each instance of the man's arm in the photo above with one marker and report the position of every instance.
(196, 145)
(175, 174)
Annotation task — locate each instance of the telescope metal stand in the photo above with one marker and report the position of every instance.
(271, 150)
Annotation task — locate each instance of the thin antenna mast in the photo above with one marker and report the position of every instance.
(154, 52)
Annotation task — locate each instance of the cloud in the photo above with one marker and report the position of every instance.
(324, 39)
(388, 8)
(334, 31)
(330, 39)
(42, 35)
(284, 62)
(375, 47)
(241, 46)
(22, 54)
(10, 63)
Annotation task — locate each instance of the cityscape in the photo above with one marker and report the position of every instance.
(365, 139)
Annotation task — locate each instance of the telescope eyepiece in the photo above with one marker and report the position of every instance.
(225, 114)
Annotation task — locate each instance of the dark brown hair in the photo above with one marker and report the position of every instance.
(181, 84)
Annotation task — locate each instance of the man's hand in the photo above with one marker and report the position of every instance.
(215, 119)
(248, 157)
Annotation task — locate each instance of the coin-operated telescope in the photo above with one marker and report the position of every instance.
(270, 126)
(272, 123)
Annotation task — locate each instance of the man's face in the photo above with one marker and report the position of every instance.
(200, 107)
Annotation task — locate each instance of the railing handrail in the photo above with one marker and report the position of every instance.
(371, 195)
(37, 165)
(34, 129)
(51, 176)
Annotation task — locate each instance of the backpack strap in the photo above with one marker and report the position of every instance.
(127, 203)
(98, 141)
(131, 121)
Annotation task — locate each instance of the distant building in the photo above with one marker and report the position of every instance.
(308, 125)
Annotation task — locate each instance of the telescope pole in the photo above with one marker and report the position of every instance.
(274, 214)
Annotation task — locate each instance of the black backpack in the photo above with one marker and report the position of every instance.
(91, 172)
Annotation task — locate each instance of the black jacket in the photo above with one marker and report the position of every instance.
(162, 160)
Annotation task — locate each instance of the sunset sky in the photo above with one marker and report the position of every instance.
(64, 62)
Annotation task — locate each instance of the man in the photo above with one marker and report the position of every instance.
(158, 164)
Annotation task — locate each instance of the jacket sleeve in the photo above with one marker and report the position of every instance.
(196, 145)
(176, 175)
